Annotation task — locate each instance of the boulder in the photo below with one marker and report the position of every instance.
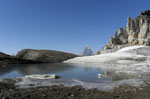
(44, 56)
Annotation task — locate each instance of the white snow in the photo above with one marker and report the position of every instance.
(130, 48)
(133, 59)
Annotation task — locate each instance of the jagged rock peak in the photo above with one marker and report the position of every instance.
(146, 12)
(136, 32)
(87, 51)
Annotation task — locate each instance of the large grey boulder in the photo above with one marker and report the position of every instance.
(44, 56)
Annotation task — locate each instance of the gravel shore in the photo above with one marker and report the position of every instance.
(8, 90)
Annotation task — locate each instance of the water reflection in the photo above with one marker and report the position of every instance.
(5, 70)
(87, 73)
(114, 75)
(42, 68)
(87, 69)
(28, 69)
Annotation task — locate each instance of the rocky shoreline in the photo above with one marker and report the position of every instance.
(8, 90)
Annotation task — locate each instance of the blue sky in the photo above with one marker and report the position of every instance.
(63, 25)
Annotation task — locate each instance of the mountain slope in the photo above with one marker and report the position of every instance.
(4, 55)
(45, 56)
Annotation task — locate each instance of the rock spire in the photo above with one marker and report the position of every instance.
(136, 32)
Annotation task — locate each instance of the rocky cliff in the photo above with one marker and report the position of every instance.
(136, 32)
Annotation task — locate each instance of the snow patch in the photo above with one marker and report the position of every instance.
(133, 59)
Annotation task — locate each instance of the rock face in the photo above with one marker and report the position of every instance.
(136, 32)
(44, 56)
(87, 51)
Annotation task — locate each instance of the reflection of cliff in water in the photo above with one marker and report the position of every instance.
(7, 69)
(110, 73)
(27, 69)
(42, 68)
(115, 75)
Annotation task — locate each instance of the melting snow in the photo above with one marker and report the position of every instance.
(133, 59)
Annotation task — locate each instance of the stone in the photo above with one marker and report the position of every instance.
(136, 32)
(125, 41)
(116, 34)
(111, 40)
(37, 76)
(135, 42)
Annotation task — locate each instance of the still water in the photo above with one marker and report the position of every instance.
(83, 73)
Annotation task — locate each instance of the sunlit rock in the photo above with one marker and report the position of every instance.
(136, 32)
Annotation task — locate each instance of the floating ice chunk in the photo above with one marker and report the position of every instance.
(36, 76)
